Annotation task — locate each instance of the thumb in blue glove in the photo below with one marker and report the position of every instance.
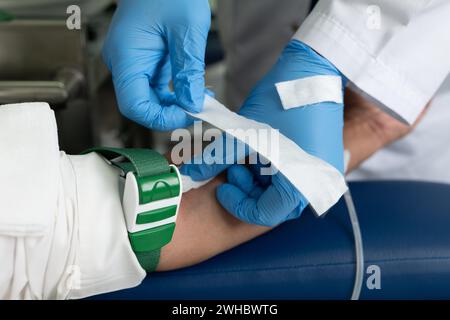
(259, 199)
(151, 42)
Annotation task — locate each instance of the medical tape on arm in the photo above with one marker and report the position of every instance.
(189, 184)
(319, 182)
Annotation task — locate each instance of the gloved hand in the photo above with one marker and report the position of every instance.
(149, 43)
(317, 128)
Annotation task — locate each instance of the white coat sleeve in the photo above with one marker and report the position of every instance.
(397, 52)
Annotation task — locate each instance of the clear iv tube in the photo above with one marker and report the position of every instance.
(359, 276)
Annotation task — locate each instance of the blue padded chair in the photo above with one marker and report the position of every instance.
(406, 232)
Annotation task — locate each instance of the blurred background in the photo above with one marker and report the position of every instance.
(42, 60)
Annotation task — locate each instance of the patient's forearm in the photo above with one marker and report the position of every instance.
(361, 141)
(368, 129)
(204, 229)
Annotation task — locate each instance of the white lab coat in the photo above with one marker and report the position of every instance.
(400, 60)
(395, 51)
(62, 229)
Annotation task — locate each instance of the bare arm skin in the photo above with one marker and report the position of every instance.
(368, 129)
(204, 229)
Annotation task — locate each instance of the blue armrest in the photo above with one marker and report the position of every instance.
(406, 232)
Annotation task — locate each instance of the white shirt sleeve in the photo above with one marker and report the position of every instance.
(62, 228)
(398, 52)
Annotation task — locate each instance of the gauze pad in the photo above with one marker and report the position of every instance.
(310, 90)
(318, 181)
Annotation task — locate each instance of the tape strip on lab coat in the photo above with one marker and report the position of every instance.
(310, 90)
(319, 182)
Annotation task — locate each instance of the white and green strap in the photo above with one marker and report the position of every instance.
(151, 199)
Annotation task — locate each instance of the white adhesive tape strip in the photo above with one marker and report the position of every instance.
(189, 184)
(317, 180)
(302, 92)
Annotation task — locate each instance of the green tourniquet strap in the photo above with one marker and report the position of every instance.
(149, 260)
(142, 162)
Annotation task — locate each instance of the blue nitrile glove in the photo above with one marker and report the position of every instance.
(149, 43)
(317, 128)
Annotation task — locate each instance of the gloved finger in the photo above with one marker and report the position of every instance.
(134, 75)
(275, 204)
(162, 73)
(215, 158)
(279, 200)
(140, 103)
(238, 203)
(160, 82)
(168, 118)
(296, 213)
(269, 210)
(259, 171)
(187, 46)
(161, 86)
(166, 97)
(240, 176)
